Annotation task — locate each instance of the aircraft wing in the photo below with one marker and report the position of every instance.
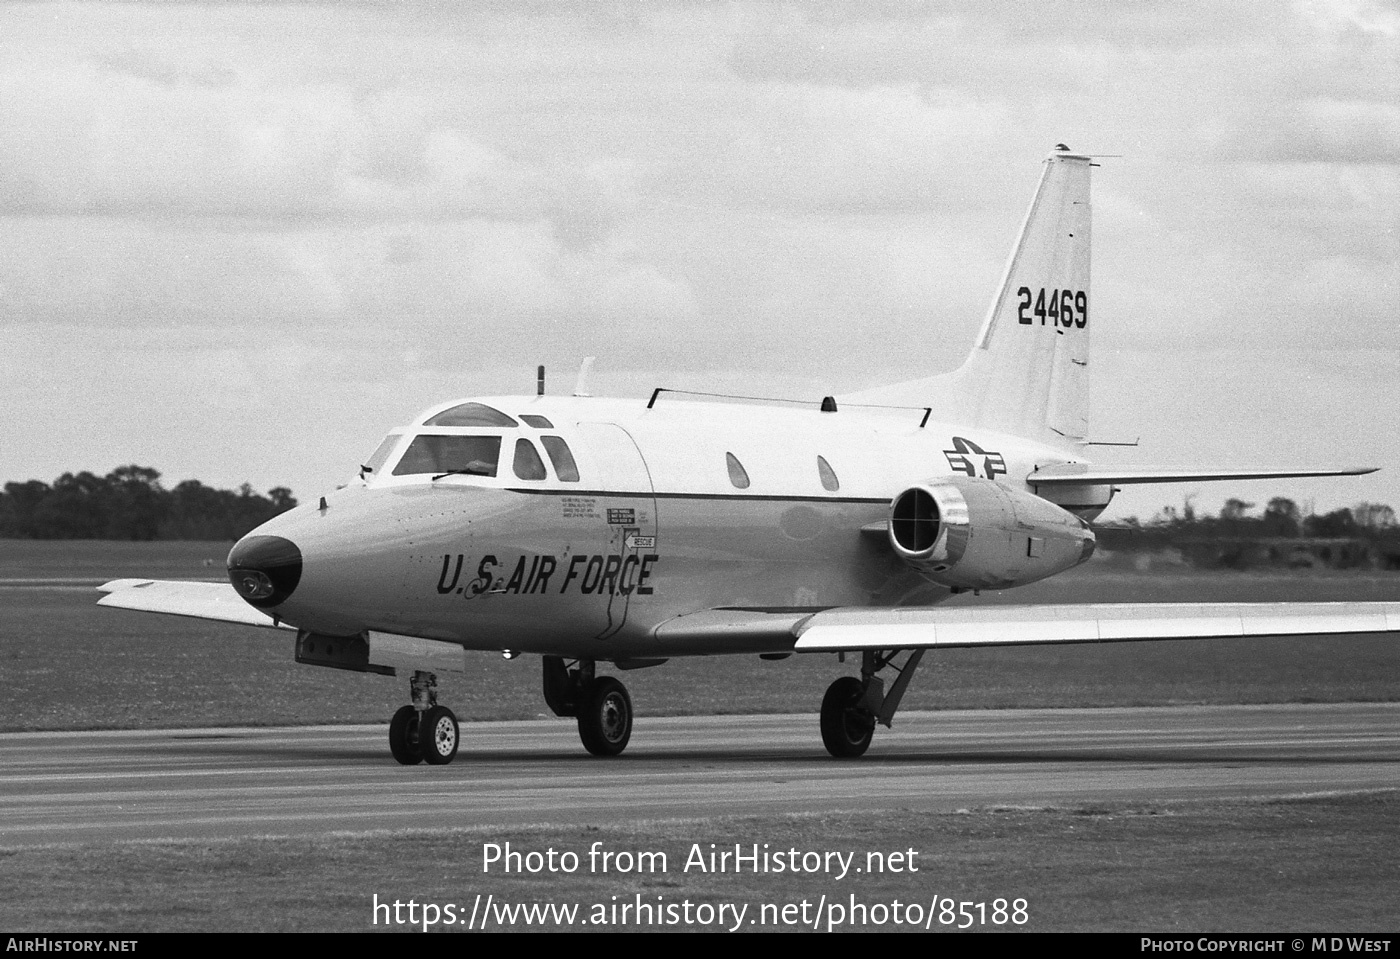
(1080, 474)
(215, 601)
(924, 627)
(734, 629)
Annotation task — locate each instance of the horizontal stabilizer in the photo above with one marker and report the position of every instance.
(216, 601)
(921, 627)
(1079, 474)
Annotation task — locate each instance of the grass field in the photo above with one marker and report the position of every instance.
(118, 669)
(1310, 865)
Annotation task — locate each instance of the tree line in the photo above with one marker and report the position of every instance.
(1281, 517)
(130, 503)
(1364, 535)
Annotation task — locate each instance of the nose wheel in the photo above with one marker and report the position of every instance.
(403, 737)
(438, 736)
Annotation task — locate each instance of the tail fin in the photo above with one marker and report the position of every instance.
(1028, 373)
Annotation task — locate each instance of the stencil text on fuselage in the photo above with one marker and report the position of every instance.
(614, 574)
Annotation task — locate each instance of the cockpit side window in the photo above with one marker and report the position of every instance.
(473, 455)
(372, 465)
(538, 422)
(828, 475)
(737, 474)
(561, 457)
(471, 414)
(528, 465)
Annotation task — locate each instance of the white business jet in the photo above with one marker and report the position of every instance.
(589, 530)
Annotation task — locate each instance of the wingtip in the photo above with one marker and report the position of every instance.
(111, 586)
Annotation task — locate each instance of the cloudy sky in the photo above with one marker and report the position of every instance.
(240, 241)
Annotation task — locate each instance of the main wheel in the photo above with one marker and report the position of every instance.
(438, 736)
(403, 737)
(847, 728)
(605, 717)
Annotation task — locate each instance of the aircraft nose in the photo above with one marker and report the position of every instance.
(264, 569)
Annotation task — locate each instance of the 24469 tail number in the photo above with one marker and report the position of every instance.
(1068, 309)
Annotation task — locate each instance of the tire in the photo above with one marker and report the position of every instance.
(439, 736)
(846, 727)
(605, 717)
(403, 737)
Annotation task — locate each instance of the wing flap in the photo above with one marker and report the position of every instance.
(1079, 474)
(216, 601)
(921, 627)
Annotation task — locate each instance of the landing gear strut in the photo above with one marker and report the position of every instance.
(425, 731)
(600, 704)
(852, 707)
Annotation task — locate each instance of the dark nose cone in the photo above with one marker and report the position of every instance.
(264, 569)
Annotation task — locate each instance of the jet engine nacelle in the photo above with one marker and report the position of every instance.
(971, 533)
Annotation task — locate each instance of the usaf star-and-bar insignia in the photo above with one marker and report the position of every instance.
(965, 454)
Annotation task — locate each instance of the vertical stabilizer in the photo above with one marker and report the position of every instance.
(1028, 373)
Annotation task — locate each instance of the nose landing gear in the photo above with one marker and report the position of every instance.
(425, 731)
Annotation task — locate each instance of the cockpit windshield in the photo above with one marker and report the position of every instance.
(472, 455)
(471, 414)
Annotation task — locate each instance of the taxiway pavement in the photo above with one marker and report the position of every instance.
(205, 783)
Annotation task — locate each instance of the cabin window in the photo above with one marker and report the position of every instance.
(471, 414)
(528, 465)
(472, 455)
(561, 457)
(538, 422)
(376, 461)
(737, 475)
(828, 475)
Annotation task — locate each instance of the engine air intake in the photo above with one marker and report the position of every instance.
(914, 520)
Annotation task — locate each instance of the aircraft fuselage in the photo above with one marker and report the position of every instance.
(677, 508)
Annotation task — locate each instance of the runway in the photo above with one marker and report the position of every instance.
(207, 783)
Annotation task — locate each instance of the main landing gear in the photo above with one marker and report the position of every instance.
(852, 707)
(425, 731)
(600, 703)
